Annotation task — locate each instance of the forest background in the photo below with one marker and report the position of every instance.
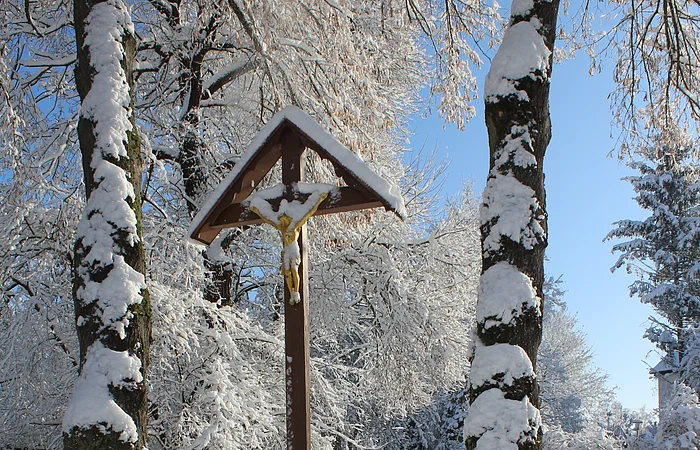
(390, 355)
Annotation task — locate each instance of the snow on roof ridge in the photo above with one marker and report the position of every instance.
(665, 366)
(358, 168)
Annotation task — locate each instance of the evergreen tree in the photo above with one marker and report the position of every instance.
(663, 250)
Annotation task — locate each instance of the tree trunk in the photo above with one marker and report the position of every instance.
(219, 284)
(503, 392)
(219, 287)
(108, 409)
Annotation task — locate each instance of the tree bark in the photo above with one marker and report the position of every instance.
(514, 235)
(190, 158)
(219, 286)
(112, 304)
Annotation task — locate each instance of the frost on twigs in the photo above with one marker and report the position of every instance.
(500, 423)
(288, 220)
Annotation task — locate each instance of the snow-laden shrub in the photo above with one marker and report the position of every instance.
(679, 424)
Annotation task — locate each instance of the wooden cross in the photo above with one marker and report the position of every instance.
(287, 207)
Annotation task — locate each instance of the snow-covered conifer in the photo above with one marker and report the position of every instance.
(663, 250)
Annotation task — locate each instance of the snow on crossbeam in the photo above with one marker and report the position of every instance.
(226, 207)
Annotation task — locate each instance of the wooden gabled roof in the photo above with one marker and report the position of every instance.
(224, 208)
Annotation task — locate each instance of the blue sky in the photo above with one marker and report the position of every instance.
(584, 197)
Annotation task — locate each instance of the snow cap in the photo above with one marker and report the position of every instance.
(365, 188)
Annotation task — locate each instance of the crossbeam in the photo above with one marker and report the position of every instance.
(343, 200)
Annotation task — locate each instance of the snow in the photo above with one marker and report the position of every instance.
(504, 292)
(107, 218)
(521, 7)
(663, 367)
(523, 53)
(518, 146)
(237, 66)
(389, 192)
(679, 421)
(501, 423)
(288, 219)
(204, 438)
(347, 159)
(512, 205)
(50, 62)
(107, 103)
(115, 294)
(509, 361)
(694, 271)
(295, 210)
(291, 256)
(299, 45)
(92, 404)
(657, 291)
(106, 210)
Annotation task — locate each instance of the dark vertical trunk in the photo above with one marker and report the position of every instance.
(519, 131)
(219, 287)
(194, 176)
(108, 335)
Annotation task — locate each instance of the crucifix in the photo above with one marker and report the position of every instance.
(287, 207)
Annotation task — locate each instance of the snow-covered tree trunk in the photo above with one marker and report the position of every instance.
(108, 408)
(503, 393)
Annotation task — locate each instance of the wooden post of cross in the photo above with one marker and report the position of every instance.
(234, 204)
(296, 316)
